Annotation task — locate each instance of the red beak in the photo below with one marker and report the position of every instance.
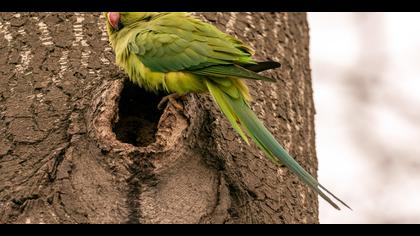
(114, 19)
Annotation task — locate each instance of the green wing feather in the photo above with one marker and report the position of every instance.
(262, 66)
(243, 118)
(230, 71)
(178, 42)
(175, 42)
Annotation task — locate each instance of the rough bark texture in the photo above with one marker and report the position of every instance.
(79, 144)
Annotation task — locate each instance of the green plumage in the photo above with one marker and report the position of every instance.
(178, 53)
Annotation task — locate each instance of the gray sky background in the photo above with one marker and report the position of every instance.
(366, 69)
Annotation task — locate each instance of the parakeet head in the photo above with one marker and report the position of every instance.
(118, 20)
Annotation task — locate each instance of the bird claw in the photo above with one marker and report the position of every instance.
(171, 98)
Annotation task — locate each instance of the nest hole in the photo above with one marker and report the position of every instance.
(138, 116)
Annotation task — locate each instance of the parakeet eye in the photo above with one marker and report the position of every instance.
(114, 20)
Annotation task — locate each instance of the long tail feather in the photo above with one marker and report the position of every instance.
(240, 116)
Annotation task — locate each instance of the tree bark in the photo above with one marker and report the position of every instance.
(81, 144)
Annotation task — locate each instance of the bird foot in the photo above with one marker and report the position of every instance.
(171, 98)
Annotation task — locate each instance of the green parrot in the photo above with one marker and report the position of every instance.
(178, 54)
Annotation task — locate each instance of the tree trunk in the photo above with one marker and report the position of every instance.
(81, 144)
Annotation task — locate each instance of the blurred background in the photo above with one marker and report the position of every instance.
(366, 79)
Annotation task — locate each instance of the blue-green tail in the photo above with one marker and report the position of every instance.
(240, 116)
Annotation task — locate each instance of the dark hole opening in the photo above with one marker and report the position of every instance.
(138, 116)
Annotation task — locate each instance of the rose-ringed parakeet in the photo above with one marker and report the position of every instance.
(177, 53)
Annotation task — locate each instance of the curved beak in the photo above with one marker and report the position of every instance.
(114, 19)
